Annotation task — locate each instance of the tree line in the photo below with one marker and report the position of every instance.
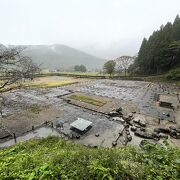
(160, 52)
(80, 68)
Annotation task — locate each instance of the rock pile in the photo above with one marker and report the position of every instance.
(173, 131)
(137, 123)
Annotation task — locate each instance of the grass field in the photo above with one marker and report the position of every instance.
(78, 73)
(48, 82)
(88, 100)
(43, 82)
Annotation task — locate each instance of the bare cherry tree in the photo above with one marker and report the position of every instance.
(123, 62)
(14, 67)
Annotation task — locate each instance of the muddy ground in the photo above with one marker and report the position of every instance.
(139, 100)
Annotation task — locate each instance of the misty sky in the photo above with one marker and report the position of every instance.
(104, 28)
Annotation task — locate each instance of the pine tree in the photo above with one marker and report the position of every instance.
(176, 28)
(142, 54)
(161, 51)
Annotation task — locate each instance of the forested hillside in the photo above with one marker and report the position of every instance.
(161, 52)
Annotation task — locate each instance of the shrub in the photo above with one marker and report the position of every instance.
(174, 74)
(54, 158)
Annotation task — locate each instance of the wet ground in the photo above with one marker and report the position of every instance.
(143, 94)
(20, 110)
(38, 133)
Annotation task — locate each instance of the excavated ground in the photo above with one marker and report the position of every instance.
(140, 112)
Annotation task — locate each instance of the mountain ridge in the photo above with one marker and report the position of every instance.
(59, 56)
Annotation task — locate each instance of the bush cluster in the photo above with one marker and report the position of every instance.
(54, 158)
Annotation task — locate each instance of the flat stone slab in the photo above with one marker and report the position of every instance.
(81, 124)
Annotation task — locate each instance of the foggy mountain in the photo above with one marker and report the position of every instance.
(60, 56)
(2, 47)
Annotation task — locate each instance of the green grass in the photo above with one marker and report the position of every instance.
(88, 100)
(53, 158)
(172, 77)
(77, 73)
(174, 74)
(85, 74)
(162, 79)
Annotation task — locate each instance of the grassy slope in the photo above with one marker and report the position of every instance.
(162, 79)
(172, 77)
(53, 158)
(88, 100)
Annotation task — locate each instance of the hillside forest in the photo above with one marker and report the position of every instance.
(160, 52)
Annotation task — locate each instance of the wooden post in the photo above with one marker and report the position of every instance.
(14, 135)
(159, 120)
(114, 143)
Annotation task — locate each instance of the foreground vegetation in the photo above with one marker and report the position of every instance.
(88, 100)
(53, 158)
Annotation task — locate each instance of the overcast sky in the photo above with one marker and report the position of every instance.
(105, 28)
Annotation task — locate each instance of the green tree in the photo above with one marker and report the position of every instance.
(159, 53)
(83, 68)
(109, 67)
(139, 62)
(173, 54)
(80, 68)
(176, 28)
